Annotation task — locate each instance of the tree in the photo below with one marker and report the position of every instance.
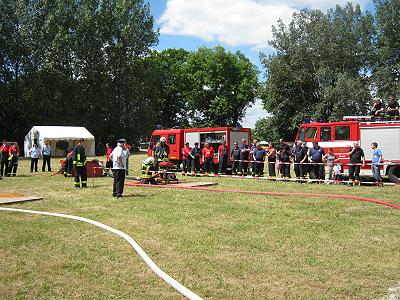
(168, 67)
(220, 86)
(386, 72)
(320, 67)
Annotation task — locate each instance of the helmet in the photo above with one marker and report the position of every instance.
(163, 140)
(149, 160)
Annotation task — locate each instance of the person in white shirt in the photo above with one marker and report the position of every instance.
(34, 153)
(119, 157)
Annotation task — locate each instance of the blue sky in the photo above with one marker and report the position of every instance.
(243, 25)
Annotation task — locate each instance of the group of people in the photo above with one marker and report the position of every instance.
(378, 108)
(314, 162)
(35, 153)
(9, 158)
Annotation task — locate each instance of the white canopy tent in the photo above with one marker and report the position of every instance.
(59, 138)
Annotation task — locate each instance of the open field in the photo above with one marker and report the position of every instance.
(219, 245)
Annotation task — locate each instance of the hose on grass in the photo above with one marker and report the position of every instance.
(160, 273)
(319, 195)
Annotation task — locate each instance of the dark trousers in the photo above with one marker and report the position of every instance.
(285, 169)
(12, 169)
(317, 171)
(235, 166)
(196, 164)
(4, 166)
(119, 181)
(354, 172)
(299, 170)
(187, 164)
(208, 164)
(244, 166)
(271, 168)
(34, 163)
(259, 168)
(46, 160)
(81, 176)
(223, 161)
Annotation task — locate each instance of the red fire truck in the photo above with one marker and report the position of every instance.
(176, 139)
(341, 135)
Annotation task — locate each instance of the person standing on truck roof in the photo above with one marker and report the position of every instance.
(222, 158)
(253, 149)
(299, 157)
(4, 158)
(161, 152)
(357, 157)
(244, 157)
(235, 157)
(259, 157)
(393, 107)
(315, 155)
(208, 158)
(376, 160)
(271, 160)
(377, 108)
(186, 159)
(195, 154)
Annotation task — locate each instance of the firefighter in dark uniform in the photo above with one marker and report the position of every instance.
(161, 152)
(195, 154)
(235, 157)
(299, 157)
(68, 165)
(79, 161)
(259, 157)
(244, 157)
(148, 171)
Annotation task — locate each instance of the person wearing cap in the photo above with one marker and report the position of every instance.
(46, 154)
(222, 158)
(79, 162)
(195, 154)
(119, 158)
(186, 159)
(235, 157)
(4, 148)
(161, 152)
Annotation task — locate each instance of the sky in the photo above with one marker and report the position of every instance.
(243, 25)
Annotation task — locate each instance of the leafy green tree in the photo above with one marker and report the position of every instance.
(221, 85)
(386, 73)
(320, 67)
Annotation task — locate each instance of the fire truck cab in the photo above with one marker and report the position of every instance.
(176, 139)
(341, 135)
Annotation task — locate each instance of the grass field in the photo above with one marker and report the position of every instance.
(220, 245)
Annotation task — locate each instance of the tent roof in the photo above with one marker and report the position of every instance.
(63, 132)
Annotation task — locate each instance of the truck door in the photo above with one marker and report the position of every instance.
(173, 147)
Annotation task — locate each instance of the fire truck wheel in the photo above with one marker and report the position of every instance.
(394, 174)
(171, 176)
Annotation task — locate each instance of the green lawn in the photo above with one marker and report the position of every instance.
(220, 245)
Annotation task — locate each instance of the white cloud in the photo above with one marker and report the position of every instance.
(253, 114)
(233, 22)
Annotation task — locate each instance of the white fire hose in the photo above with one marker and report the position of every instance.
(160, 273)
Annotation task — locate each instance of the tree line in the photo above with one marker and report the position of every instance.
(328, 65)
(91, 63)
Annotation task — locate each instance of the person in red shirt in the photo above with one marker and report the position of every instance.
(109, 162)
(186, 159)
(208, 158)
(222, 158)
(4, 158)
(13, 153)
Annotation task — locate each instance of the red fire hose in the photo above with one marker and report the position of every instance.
(357, 198)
